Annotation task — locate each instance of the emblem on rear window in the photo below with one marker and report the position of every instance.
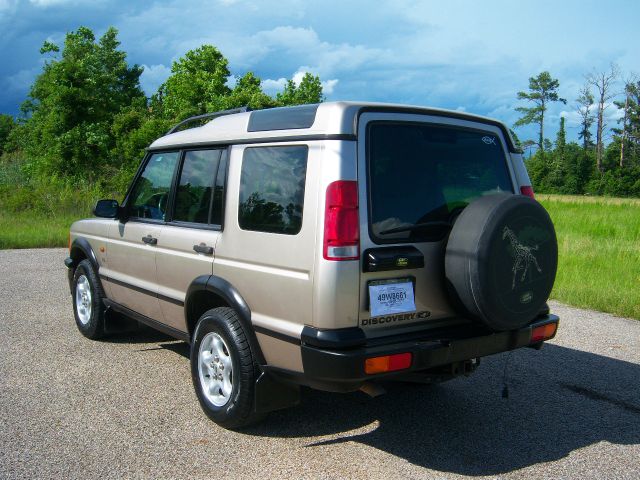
(489, 140)
(523, 258)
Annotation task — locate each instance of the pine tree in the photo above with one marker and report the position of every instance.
(542, 90)
(584, 108)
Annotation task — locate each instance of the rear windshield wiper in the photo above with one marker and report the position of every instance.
(416, 226)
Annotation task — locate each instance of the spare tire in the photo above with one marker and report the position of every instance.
(501, 260)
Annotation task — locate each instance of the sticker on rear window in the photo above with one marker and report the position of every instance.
(489, 140)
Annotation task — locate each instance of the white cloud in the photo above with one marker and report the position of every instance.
(298, 76)
(328, 86)
(273, 86)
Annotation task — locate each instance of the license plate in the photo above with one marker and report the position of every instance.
(389, 297)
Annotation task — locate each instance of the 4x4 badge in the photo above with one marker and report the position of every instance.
(523, 256)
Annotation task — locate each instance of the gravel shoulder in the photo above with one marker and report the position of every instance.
(125, 407)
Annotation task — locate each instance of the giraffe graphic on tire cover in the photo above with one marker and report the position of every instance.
(523, 256)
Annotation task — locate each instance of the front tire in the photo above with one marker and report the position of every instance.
(88, 306)
(223, 369)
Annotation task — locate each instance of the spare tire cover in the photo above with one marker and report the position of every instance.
(501, 260)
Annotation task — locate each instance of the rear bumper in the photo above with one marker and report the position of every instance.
(343, 369)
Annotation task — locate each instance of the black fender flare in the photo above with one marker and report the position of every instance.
(231, 297)
(82, 245)
(80, 248)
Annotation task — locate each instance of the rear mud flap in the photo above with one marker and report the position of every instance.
(271, 394)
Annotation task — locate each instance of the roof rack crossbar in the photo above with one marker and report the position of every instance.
(208, 115)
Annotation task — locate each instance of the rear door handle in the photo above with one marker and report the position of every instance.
(203, 248)
(149, 240)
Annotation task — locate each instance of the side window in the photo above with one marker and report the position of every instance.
(150, 193)
(195, 187)
(272, 189)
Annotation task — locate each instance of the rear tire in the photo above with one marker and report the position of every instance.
(223, 369)
(88, 306)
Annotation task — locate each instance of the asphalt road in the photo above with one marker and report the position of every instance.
(125, 407)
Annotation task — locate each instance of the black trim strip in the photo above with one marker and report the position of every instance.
(144, 291)
(175, 333)
(248, 141)
(278, 335)
(174, 301)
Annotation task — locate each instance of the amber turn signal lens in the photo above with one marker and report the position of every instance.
(544, 332)
(387, 363)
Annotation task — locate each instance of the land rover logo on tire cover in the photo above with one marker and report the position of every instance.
(523, 258)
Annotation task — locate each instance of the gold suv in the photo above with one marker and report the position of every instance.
(333, 246)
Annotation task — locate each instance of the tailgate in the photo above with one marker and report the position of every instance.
(416, 174)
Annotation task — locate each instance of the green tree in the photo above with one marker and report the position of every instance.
(308, 91)
(557, 167)
(248, 92)
(133, 129)
(6, 125)
(542, 90)
(578, 169)
(629, 132)
(197, 84)
(72, 104)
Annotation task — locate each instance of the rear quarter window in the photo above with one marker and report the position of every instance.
(425, 173)
(272, 184)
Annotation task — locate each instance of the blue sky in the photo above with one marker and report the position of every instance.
(458, 54)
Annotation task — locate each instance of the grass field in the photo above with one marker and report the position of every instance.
(598, 238)
(32, 230)
(599, 252)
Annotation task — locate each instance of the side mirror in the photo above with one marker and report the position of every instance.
(106, 209)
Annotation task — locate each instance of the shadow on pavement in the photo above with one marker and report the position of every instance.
(560, 400)
(125, 330)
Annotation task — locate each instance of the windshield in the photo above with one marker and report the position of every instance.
(422, 175)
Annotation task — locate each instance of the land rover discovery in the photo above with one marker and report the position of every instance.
(332, 246)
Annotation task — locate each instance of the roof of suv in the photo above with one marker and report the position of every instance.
(329, 120)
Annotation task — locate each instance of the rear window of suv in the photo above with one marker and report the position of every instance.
(424, 174)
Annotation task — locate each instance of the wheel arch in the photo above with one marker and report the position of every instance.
(209, 291)
(80, 250)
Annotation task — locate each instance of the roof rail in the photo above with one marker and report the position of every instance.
(208, 115)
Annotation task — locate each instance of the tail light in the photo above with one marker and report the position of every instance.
(527, 190)
(341, 224)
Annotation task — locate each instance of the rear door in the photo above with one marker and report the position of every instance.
(190, 235)
(267, 249)
(417, 172)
